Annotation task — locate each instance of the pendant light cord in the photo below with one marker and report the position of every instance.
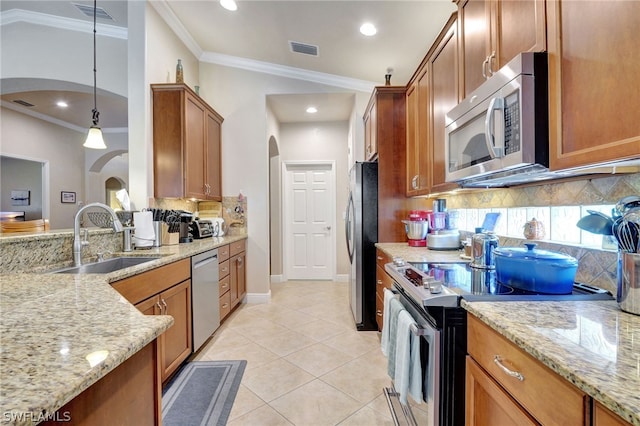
(96, 114)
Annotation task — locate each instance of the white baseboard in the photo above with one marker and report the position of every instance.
(257, 297)
(342, 278)
(277, 278)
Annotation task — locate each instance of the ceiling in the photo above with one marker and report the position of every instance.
(258, 34)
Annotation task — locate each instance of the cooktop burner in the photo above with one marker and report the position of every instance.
(477, 284)
(444, 284)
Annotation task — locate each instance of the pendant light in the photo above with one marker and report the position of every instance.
(94, 137)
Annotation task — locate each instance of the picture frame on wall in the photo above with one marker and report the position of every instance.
(67, 197)
(20, 197)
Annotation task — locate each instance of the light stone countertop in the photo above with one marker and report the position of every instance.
(593, 345)
(49, 323)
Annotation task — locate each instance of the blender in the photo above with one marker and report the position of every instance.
(444, 234)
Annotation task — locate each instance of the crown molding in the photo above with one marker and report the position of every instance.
(289, 72)
(56, 121)
(183, 34)
(18, 15)
(176, 26)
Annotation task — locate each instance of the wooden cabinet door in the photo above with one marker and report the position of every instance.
(487, 403)
(424, 132)
(444, 96)
(238, 278)
(516, 26)
(213, 178)
(176, 302)
(475, 30)
(412, 140)
(602, 416)
(594, 95)
(194, 148)
(370, 132)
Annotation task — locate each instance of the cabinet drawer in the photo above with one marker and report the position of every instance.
(223, 285)
(223, 269)
(382, 258)
(225, 304)
(223, 253)
(543, 393)
(383, 280)
(142, 286)
(237, 247)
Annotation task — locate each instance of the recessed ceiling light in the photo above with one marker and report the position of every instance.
(312, 110)
(368, 29)
(229, 4)
(62, 104)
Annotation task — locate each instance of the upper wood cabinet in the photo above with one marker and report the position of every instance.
(186, 144)
(492, 32)
(594, 93)
(370, 134)
(443, 65)
(418, 141)
(386, 113)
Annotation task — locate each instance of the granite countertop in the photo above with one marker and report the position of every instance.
(593, 345)
(50, 323)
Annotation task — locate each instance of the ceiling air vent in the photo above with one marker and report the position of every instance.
(305, 49)
(88, 10)
(23, 103)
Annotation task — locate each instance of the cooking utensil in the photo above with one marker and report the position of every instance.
(596, 223)
(628, 234)
(626, 203)
(540, 271)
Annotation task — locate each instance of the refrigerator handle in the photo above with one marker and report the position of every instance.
(347, 222)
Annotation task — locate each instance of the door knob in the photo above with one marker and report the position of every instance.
(328, 228)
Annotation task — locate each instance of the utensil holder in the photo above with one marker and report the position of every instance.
(157, 229)
(629, 282)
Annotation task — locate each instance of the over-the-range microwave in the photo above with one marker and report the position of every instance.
(499, 135)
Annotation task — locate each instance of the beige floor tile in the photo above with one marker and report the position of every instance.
(260, 329)
(285, 343)
(245, 402)
(368, 417)
(319, 329)
(315, 404)
(359, 379)
(352, 343)
(274, 379)
(380, 404)
(318, 359)
(263, 416)
(254, 354)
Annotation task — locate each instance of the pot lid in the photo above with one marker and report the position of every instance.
(529, 252)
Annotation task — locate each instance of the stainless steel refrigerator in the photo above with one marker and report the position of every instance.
(361, 229)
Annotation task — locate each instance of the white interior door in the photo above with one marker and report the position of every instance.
(309, 211)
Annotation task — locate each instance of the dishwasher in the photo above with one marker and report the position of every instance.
(205, 296)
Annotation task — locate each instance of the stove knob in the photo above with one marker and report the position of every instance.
(436, 287)
(398, 261)
(428, 281)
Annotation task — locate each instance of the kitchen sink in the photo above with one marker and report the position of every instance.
(106, 266)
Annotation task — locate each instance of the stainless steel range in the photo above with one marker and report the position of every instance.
(431, 293)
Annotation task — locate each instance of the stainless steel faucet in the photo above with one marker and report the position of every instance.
(77, 242)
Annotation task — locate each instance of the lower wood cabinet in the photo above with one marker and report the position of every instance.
(232, 276)
(131, 391)
(383, 280)
(602, 416)
(505, 385)
(165, 291)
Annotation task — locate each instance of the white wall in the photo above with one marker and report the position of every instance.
(323, 142)
(240, 97)
(27, 137)
(24, 175)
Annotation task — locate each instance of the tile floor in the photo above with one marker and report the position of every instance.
(306, 363)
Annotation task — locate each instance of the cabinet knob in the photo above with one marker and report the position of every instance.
(164, 305)
(490, 62)
(379, 282)
(159, 307)
(379, 312)
(414, 182)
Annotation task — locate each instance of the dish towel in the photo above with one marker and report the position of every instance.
(384, 341)
(395, 307)
(408, 371)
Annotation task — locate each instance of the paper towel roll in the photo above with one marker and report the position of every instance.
(144, 234)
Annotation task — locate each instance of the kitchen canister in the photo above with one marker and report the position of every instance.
(629, 283)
